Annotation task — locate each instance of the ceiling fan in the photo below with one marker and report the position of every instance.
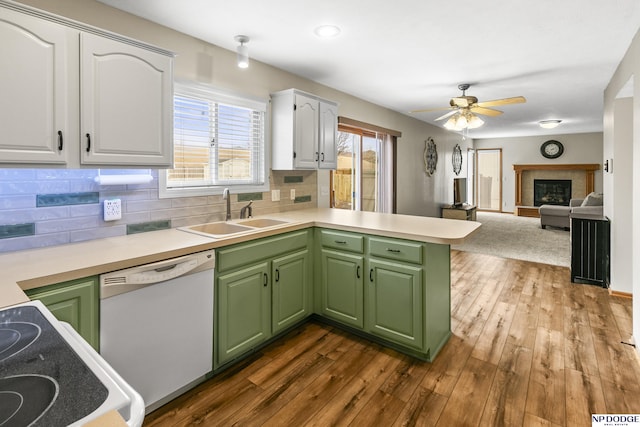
(464, 109)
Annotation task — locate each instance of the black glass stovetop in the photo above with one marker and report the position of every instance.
(43, 382)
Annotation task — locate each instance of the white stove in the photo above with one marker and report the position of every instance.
(50, 376)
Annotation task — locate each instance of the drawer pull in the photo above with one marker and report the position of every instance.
(341, 242)
(395, 251)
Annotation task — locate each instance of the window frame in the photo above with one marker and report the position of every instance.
(203, 91)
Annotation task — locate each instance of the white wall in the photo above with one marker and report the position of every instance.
(210, 64)
(578, 148)
(614, 143)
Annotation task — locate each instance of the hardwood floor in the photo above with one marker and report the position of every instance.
(528, 348)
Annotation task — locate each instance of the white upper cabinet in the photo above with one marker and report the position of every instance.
(36, 109)
(304, 131)
(126, 104)
(74, 96)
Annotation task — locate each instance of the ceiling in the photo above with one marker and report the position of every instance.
(412, 54)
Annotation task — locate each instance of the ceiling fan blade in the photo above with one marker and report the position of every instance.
(426, 110)
(505, 101)
(485, 111)
(444, 116)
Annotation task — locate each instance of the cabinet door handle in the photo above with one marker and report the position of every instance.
(395, 251)
(341, 242)
(266, 279)
(88, 143)
(277, 275)
(59, 140)
(322, 160)
(358, 272)
(317, 156)
(371, 275)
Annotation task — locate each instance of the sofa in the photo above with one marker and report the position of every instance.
(559, 216)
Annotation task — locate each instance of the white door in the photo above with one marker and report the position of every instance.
(306, 132)
(126, 104)
(328, 135)
(35, 100)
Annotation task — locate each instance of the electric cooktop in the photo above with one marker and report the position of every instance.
(43, 381)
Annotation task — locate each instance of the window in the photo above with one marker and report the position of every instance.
(218, 142)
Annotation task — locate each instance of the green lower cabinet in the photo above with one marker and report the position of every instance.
(291, 289)
(394, 302)
(342, 287)
(76, 302)
(243, 311)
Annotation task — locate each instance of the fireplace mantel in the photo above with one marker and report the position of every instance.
(589, 170)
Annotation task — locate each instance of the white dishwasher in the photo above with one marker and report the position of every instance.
(156, 325)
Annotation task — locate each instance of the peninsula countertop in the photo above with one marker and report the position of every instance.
(34, 268)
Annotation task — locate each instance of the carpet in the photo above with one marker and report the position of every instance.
(517, 237)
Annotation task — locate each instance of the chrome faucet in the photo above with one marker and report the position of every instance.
(244, 210)
(226, 196)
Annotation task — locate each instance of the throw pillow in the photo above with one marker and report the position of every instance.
(592, 199)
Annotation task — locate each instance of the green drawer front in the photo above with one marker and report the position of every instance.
(239, 255)
(342, 240)
(395, 249)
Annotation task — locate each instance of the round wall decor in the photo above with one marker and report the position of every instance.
(430, 156)
(552, 149)
(457, 159)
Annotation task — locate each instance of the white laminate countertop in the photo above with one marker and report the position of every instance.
(34, 268)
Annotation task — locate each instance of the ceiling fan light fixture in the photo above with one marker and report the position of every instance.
(243, 51)
(475, 122)
(549, 124)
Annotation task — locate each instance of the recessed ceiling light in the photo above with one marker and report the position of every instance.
(549, 124)
(327, 31)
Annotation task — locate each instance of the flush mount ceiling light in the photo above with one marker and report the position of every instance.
(327, 31)
(243, 51)
(549, 124)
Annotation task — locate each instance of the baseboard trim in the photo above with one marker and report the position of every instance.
(620, 294)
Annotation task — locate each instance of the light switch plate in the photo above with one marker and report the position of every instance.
(293, 193)
(275, 195)
(112, 209)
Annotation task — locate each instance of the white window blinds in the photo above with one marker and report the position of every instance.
(219, 140)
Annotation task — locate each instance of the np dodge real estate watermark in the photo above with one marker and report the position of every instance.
(615, 420)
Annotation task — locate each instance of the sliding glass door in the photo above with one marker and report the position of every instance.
(357, 183)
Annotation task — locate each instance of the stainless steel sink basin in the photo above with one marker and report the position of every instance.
(218, 229)
(262, 222)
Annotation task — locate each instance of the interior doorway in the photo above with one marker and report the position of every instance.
(488, 179)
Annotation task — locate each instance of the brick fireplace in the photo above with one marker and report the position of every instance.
(582, 177)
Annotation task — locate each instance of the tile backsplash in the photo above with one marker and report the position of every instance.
(48, 207)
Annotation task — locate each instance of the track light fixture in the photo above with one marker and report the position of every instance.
(243, 51)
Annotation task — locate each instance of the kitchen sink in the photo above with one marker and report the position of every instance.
(262, 222)
(218, 229)
(222, 229)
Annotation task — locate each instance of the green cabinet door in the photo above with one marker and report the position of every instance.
(342, 287)
(76, 302)
(291, 289)
(243, 311)
(394, 308)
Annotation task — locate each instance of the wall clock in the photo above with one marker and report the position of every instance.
(552, 149)
(457, 159)
(430, 156)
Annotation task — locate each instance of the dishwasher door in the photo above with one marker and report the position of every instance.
(156, 325)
